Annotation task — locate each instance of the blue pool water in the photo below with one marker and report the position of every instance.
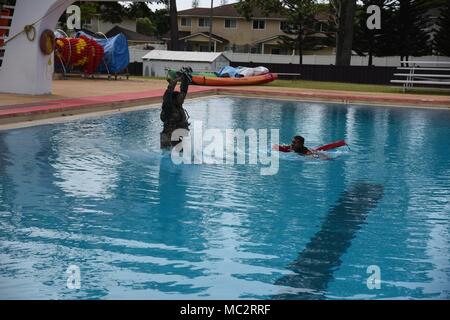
(98, 193)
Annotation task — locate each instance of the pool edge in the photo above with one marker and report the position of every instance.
(406, 102)
(27, 115)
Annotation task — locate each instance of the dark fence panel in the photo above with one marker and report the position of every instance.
(354, 74)
(135, 68)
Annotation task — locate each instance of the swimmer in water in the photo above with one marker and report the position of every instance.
(298, 146)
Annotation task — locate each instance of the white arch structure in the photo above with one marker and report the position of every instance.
(25, 68)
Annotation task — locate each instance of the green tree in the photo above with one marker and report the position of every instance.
(344, 20)
(409, 28)
(300, 24)
(173, 25)
(88, 10)
(157, 21)
(375, 42)
(442, 37)
(145, 26)
(161, 22)
(112, 12)
(115, 12)
(139, 10)
(405, 30)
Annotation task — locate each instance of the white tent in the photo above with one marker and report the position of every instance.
(157, 62)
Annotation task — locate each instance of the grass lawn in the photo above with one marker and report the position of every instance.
(306, 84)
(352, 87)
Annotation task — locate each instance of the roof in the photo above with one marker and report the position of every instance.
(90, 33)
(268, 39)
(131, 35)
(206, 34)
(181, 34)
(228, 10)
(323, 15)
(182, 56)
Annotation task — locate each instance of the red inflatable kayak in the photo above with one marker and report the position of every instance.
(244, 81)
(330, 146)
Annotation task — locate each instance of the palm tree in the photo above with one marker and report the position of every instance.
(210, 25)
(173, 25)
(345, 14)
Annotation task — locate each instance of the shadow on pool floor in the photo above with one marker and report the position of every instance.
(315, 265)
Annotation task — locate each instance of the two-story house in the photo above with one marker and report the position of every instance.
(127, 27)
(231, 31)
(95, 24)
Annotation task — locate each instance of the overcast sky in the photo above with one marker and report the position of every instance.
(187, 4)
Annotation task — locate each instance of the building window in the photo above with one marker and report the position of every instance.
(87, 22)
(185, 22)
(203, 22)
(259, 24)
(284, 26)
(230, 23)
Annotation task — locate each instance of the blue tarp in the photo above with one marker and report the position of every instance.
(231, 72)
(117, 56)
(228, 72)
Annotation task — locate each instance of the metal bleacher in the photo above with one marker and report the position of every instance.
(423, 73)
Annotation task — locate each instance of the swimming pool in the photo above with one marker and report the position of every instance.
(98, 194)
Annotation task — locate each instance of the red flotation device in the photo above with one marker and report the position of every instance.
(282, 148)
(333, 145)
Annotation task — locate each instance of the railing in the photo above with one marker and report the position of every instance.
(429, 73)
(393, 61)
(6, 15)
(354, 74)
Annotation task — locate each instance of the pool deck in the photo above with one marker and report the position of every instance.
(77, 96)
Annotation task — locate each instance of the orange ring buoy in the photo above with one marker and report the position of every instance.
(47, 42)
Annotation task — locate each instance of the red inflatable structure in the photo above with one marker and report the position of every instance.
(80, 52)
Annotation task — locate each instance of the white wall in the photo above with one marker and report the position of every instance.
(323, 59)
(137, 53)
(219, 63)
(25, 69)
